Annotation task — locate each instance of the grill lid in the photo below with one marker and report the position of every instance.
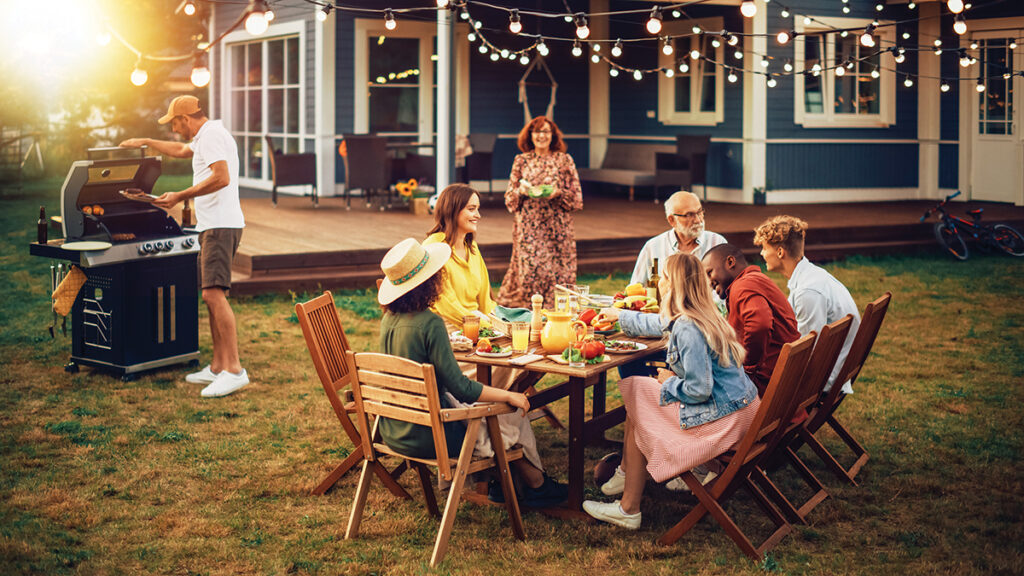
(92, 207)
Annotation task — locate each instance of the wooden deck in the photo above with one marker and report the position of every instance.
(297, 247)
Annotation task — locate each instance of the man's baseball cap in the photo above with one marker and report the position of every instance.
(181, 106)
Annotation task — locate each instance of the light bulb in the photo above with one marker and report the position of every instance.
(899, 58)
(1013, 45)
(716, 43)
(684, 67)
(596, 46)
(844, 33)
(908, 82)
(524, 59)
(980, 87)
(256, 23)
(937, 42)
(669, 72)
(807, 20)
(542, 48)
(103, 38)
(788, 66)
(816, 68)
(654, 22)
(482, 49)
(389, 20)
(875, 73)
(944, 87)
(748, 8)
(694, 54)
(323, 13)
(667, 48)
(783, 37)
(784, 13)
(965, 60)
(139, 75)
(638, 75)
(582, 31)
(906, 35)
(738, 55)
(613, 72)
(867, 39)
(733, 39)
(617, 49)
(514, 25)
(846, 9)
(494, 56)
(269, 15)
(576, 50)
(504, 53)
(595, 58)
(696, 29)
(771, 82)
(471, 36)
(1007, 75)
(677, 14)
(464, 14)
(200, 77)
(938, 51)
(442, 3)
(732, 76)
(764, 62)
(189, 9)
(955, 6)
(840, 71)
(879, 7)
(959, 24)
(912, 5)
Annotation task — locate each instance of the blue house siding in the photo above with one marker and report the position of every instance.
(811, 166)
(344, 83)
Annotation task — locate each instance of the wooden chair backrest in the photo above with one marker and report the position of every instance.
(290, 169)
(827, 348)
(399, 389)
(327, 344)
(366, 162)
(870, 323)
(776, 408)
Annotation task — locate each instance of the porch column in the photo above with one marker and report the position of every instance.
(755, 109)
(928, 104)
(598, 124)
(445, 144)
(324, 102)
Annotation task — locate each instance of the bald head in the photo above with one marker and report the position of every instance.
(682, 202)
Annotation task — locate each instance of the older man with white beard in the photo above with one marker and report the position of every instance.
(686, 217)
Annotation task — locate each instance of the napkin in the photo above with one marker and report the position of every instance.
(66, 293)
(512, 314)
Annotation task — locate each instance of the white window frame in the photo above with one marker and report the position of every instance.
(371, 28)
(667, 114)
(884, 36)
(293, 28)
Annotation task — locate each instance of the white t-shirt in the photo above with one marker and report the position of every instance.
(666, 244)
(220, 209)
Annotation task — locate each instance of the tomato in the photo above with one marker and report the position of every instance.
(592, 349)
(587, 315)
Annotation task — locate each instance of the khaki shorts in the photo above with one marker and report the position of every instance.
(217, 248)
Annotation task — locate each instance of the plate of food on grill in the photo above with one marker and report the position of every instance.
(623, 346)
(490, 333)
(487, 350)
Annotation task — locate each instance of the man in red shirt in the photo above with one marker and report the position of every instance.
(758, 310)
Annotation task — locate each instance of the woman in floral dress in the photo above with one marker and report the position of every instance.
(543, 236)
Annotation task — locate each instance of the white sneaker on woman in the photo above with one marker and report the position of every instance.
(677, 485)
(616, 484)
(611, 512)
(225, 383)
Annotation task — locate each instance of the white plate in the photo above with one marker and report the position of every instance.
(504, 354)
(497, 333)
(639, 346)
(86, 245)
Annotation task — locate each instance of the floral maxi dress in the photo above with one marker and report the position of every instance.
(543, 234)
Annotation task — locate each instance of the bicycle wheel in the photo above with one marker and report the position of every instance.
(1008, 239)
(950, 238)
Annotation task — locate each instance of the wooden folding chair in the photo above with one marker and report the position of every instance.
(400, 389)
(327, 345)
(806, 395)
(775, 411)
(824, 412)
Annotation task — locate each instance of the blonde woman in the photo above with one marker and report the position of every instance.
(690, 414)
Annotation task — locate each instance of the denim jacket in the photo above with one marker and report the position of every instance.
(704, 389)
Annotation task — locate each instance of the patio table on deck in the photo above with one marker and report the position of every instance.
(581, 430)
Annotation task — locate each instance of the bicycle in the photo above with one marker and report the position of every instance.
(951, 231)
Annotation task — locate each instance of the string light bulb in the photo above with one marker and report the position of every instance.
(654, 22)
(840, 70)
(955, 6)
(389, 20)
(683, 67)
(669, 72)
(771, 81)
(577, 51)
(442, 3)
(912, 5)
(906, 35)
(785, 36)
(139, 75)
(256, 21)
(595, 58)
(900, 55)
(617, 48)
(464, 15)
(482, 49)
(471, 36)
(1007, 75)
(738, 54)
(638, 75)
(666, 49)
(944, 87)
(867, 39)
(875, 73)
(716, 43)
(694, 54)
(965, 60)
(514, 25)
(784, 13)
(981, 85)
(524, 59)
(696, 29)
(494, 56)
(582, 30)
(748, 8)
(200, 72)
(732, 78)
(733, 39)
(959, 24)
(324, 12)
(879, 7)
(269, 15)
(542, 48)
(788, 66)
(190, 8)
(764, 62)
(613, 72)
(909, 82)
(1013, 44)
(596, 46)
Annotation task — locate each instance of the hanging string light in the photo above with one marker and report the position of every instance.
(965, 60)
(959, 24)
(638, 75)
(582, 30)
(981, 85)
(867, 39)
(666, 48)
(683, 67)
(269, 15)
(139, 75)
(785, 36)
(542, 48)
(771, 81)
(944, 87)
(189, 8)
(577, 51)
(256, 21)
(323, 13)
(955, 6)
(389, 20)
(748, 8)
(595, 58)
(654, 21)
(841, 70)
(788, 66)
(732, 78)
(909, 82)
(200, 72)
(514, 25)
(617, 49)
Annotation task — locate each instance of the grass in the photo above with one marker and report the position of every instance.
(101, 476)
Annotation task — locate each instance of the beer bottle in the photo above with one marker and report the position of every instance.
(186, 214)
(652, 282)
(41, 226)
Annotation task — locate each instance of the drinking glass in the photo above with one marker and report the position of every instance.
(520, 337)
(471, 328)
(577, 363)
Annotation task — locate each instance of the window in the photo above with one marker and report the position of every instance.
(863, 96)
(995, 109)
(694, 94)
(263, 98)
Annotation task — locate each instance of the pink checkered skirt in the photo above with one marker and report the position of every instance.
(671, 450)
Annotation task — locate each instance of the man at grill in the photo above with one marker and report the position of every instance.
(219, 219)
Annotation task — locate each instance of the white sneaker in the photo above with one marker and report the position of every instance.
(612, 513)
(204, 376)
(677, 485)
(616, 484)
(225, 383)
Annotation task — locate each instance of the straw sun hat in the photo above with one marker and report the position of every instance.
(407, 265)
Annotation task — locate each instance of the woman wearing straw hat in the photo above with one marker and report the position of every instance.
(413, 281)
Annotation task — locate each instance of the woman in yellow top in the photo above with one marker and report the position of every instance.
(467, 286)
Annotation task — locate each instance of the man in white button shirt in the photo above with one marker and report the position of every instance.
(816, 296)
(219, 222)
(685, 215)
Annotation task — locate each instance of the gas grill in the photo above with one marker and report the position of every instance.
(138, 309)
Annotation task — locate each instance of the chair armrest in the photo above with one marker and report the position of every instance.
(476, 411)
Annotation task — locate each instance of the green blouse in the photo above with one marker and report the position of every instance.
(422, 337)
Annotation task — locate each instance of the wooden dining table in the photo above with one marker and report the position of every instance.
(582, 431)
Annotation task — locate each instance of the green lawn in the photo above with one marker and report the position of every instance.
(100, 476)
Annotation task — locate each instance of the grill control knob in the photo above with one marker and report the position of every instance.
(169, 245)
(148, 248)
(159, 246)
(188, 242)
(142, 249)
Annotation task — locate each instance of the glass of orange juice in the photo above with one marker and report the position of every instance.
(520, 337)
(471, 328)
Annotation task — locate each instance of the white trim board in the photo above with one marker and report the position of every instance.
(842, 195)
